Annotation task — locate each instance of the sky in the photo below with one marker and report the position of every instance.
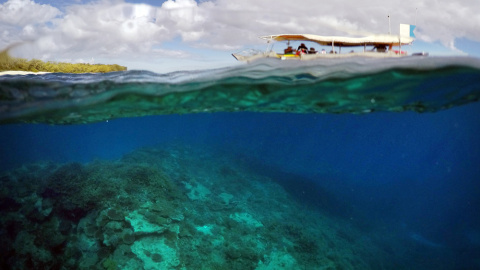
(165, 36)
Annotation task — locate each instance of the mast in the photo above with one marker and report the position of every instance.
(389, 29)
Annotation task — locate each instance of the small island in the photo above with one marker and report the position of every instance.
(9, 63)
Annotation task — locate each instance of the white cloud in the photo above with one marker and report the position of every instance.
(183, 17)
(25, 12)
(446, 21)
(115, 29)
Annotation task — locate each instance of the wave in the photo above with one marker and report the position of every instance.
(356, 85)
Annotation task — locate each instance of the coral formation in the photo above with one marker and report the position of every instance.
(165, 208)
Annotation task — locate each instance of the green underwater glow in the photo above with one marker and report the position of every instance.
(417, 85)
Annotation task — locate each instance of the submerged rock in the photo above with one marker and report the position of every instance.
(114, 214)
(247, 219)
(155, 253)
(141, 225)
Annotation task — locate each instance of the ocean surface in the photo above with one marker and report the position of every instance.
(355, 164)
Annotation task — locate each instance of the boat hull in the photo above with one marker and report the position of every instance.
(306, 57)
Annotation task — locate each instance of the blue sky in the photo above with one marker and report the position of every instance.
(171, 35)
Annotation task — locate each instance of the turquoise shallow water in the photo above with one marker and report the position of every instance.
(276, 165)
(335, 86)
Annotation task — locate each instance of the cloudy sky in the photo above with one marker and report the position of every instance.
(171, 35)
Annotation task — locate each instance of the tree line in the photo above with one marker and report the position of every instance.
(9, 63)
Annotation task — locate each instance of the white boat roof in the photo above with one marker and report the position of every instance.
(344, 41)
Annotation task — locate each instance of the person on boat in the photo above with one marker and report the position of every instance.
(381, 48)
(288, 50)
(302, 49)
(312, 51)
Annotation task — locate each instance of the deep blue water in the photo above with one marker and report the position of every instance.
(416, 174)
(419, 170)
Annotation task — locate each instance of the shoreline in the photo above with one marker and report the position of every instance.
(19, 72)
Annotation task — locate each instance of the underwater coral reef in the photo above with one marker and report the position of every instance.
(175, 207)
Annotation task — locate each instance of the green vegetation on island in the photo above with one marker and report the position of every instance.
(9, 63)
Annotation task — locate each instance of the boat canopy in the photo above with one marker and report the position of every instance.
(387, 40)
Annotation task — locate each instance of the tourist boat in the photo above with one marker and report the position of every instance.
(379, 46)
